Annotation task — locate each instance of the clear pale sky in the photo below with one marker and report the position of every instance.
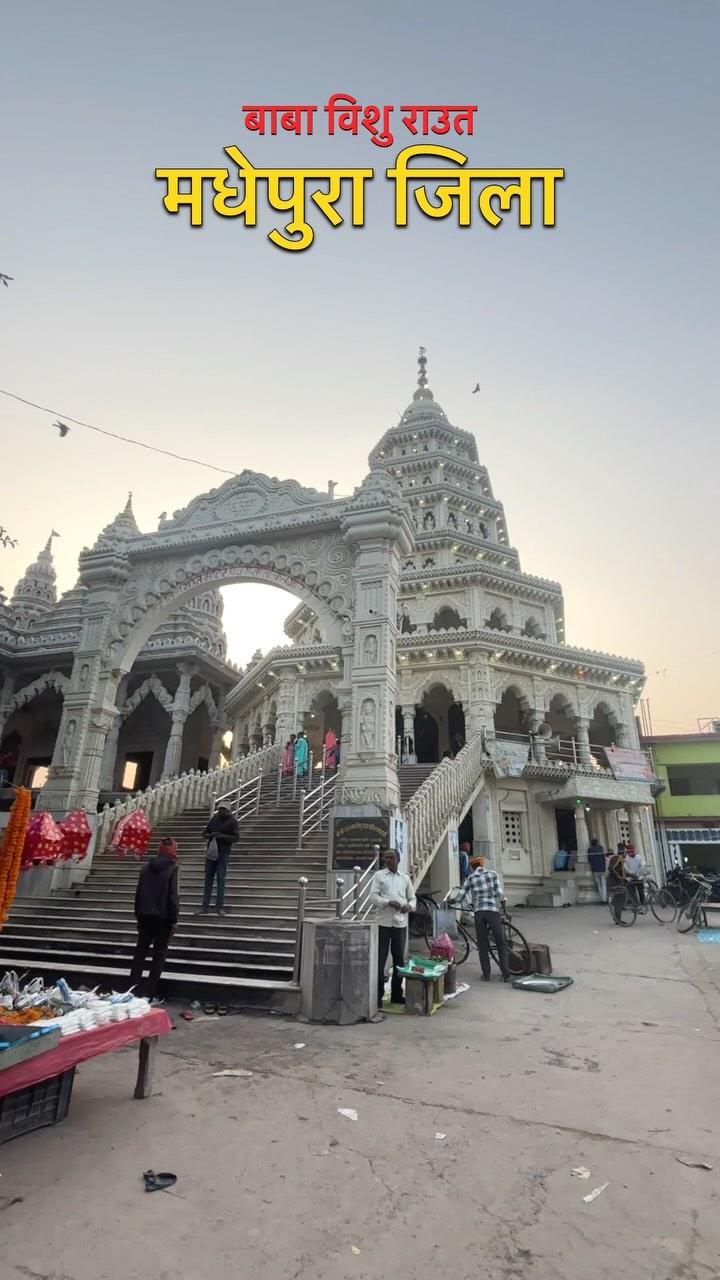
(595, 343)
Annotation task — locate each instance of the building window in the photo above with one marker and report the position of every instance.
(512, 830)
(694, 779)
(624, 830)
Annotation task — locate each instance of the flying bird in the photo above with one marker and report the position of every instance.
(476, 388)
(62, 428)
(5, 279)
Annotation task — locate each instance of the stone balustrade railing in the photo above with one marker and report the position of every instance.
(438, 803)
(193, 790)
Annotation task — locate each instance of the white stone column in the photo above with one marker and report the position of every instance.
(236, 747)
(583, 740)
(581, 833)
(409, 755)
(377, 528)
(216, 746)
(109, 761)
(285, 721)
(538, 743)
(637, 834)
(180, 711)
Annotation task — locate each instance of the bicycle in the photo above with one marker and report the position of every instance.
(625, 906)
(693, 914)
(421, 923)
(518, 948)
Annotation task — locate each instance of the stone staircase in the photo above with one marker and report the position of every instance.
(410, 777)
(88, 932)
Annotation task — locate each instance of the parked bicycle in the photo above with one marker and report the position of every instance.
(692, 914)
(518, 948)
(626, 905)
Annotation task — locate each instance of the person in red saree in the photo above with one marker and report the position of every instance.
(331, 750)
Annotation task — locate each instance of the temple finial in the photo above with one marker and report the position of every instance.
(128, 504)
(48, 544)
(422, 391)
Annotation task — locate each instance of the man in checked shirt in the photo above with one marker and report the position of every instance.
(485, 892)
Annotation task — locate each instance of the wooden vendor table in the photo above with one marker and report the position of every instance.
(83, 1045)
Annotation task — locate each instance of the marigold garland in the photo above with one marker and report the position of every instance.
(11, 849)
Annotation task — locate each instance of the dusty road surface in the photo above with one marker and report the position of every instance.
(618, 1074)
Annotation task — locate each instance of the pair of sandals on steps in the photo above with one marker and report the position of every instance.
(219, 1009)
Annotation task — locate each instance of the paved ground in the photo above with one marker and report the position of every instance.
(618, 1074)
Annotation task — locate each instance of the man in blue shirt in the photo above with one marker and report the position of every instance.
(486, 895)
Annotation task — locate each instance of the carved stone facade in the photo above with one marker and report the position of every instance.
(416, 630)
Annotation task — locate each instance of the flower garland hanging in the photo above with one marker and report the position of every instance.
(11, 849)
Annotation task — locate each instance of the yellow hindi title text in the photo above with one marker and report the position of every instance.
(436, 179)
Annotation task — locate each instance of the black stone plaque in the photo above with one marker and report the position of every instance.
(353, 840)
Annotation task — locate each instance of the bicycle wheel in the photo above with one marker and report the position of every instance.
(662, 905)
(519, 953)
(623, 909)
(687, 917)
(462, 946)
(418, 922)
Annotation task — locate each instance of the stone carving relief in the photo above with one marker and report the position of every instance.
(370, 650)
(317, 568)
(242, 499)
(84, 675)
(68, 746)
(368, 725)
(153, 685)
(53, 680)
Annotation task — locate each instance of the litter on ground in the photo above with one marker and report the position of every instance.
(349, 1112)
(580, 1172)
(596, 1191)
(236, 1072)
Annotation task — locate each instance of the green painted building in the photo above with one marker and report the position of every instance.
(687, 812)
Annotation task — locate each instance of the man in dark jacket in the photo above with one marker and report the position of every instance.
(157, 908)
(221, 831)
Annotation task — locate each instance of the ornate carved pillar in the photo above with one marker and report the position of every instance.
(216, 746)
(408, 744)
(583, 741)
(236, 747)
(378, 530)
(538, 743)
(109, 761)
(285, 720)
(89, 706)
(581, 831)
(180, 711)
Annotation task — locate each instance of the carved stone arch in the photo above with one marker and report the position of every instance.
(51, 680)
(203, 694)
(560, 691)
(609, 706)
(153, 685)
(519, 685)
(315, 688)
(428, 681)
(316, 570)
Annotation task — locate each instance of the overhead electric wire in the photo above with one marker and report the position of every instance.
(113, 435)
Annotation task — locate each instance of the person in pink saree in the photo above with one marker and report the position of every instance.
(288, 757)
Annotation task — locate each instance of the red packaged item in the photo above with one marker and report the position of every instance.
(131, 835)
(43, 842)
(76, 835)
(442, 948)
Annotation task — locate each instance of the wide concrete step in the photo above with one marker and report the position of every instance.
(60, 956)
(115, 977)
(119, 944)
(199, 927)
(185, 935)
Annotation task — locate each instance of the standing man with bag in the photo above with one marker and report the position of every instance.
(222, 831)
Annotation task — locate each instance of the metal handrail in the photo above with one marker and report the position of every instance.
(360, 890)
(315, 807)
(244, 805)
(296, 776)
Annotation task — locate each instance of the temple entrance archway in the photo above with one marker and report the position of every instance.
(252, 529)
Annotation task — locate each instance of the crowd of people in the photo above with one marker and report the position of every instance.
(296, 754)
(622, 868)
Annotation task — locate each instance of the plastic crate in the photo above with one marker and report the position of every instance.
(36, 1106)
